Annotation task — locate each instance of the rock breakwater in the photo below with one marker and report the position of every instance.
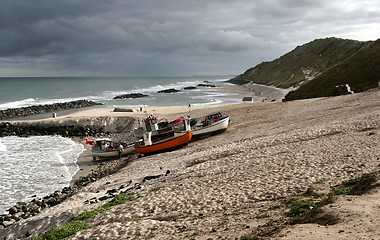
(26, 111)
(9, 129)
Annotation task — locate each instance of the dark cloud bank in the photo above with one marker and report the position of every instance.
(167, 38)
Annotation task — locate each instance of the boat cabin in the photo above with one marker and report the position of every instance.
(102, 143)
(156, 131)
(209, 119)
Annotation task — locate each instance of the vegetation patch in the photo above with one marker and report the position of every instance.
(276, 207)
(266, 215)
(307, 208)
(119, 199)
(64, 231)
(300, 206)
(78, 224)
(355, 186)
(272, 222)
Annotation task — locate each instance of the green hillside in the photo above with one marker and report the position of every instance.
(302, 64)
(361, 71)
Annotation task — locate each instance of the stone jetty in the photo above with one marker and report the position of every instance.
(55, 107)
(24, 130)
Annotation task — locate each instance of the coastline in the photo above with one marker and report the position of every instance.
(259, 93)
(87, 166)
(85, 163)
(236, 183)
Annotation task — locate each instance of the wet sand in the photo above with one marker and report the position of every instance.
(85, 162)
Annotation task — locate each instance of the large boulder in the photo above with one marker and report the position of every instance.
(189, 88)
(170, 90)
(131, 95)
(205, 85)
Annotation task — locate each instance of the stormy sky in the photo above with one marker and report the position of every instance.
(168, 37)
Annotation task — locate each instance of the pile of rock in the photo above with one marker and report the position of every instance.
(190, 88)
(25, 111)
(131, 95)
(170, 90)
(205, 85)
(24, 210)
(123, 110)
(8, 129)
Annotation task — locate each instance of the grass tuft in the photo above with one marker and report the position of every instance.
(300, 206)
(119, 199)
(64, 231)
(347, 186)
(78, 224)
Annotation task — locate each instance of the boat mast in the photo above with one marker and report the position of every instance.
(189, 109)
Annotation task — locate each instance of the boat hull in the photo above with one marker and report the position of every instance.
(110, 154)
(215, 128)
(172, 143)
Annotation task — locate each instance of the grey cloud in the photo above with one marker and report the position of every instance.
(164, 37)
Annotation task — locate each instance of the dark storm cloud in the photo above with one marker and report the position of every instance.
(166, 37)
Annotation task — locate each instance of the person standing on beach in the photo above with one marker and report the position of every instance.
(121, 148)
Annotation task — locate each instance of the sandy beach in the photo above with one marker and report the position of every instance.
(234, 184)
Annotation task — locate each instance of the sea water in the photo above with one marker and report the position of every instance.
(24, 92)
(36, 165)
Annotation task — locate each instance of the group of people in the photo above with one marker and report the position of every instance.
(111, 147)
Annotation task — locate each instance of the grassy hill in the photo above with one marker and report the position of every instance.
(302, 64)
(361, 71)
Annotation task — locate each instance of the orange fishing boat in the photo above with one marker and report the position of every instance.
(165, 145)
(159, 136)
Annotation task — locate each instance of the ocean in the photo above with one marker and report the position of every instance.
(34, 166)
(23, 92)
(39, 165)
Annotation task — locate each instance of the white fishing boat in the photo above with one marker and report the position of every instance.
(104, 149)
(213, 124)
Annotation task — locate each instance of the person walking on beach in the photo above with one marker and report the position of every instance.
(121, 148)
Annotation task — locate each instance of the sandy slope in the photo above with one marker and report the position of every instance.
(224, 187)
